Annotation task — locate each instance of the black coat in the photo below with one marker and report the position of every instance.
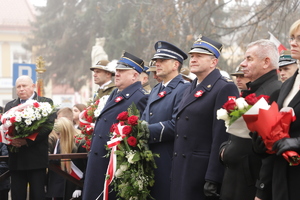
(35, 154)
(242, 164)
(198, 137)
(286, 179)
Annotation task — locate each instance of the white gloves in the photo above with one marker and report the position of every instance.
(76, 194)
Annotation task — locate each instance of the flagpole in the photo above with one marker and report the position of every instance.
(40, 68)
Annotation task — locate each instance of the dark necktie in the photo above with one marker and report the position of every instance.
(162, 88)
(23, 101)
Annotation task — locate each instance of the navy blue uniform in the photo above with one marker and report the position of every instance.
(97, 163)
(198, 136)
(160, 114)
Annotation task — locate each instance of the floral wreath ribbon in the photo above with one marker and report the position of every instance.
(112, 165)
(84, 122)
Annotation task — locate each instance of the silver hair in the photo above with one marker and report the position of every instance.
(266, 48)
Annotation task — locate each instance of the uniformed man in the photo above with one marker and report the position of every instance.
(144, 78)
(196, 170)
(103, 73)
(152, 68)
(187, 75)
(287, 65)
(240, 79)
(160, 113)
(129, 89)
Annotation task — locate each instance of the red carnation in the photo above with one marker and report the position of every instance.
(97, 102)
(131, 141)
(229, 105)
(12, 120)
(133, 120)
(36, 104)
(127, 130)
(123, 116)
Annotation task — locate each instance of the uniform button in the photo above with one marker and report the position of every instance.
(262, 185)
(187, 118)
(154, 139)
(175, 154)
(96, 153)
(177, 136)
(105, 119)
(178, 118)
(184, 137)
(229, 142)
(183, 155)
(100, 136)
(151, 114)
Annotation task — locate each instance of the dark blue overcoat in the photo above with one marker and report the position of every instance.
(97, 163)
(198, 136)
(160, 114)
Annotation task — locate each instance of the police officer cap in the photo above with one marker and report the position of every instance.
(286, 59)
(238, 71)
(129, 61)
(165, 50)
(207, 46)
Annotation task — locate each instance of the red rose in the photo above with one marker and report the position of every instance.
(266, 97)
(12, 120)
(251, 99)
(127, 130)
(230, 105)
(113, 127)
(89, 119)
(36, 104)
(133, 120)
(131, 141)
(123, 116)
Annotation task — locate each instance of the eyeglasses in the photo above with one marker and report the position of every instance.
(296, 39)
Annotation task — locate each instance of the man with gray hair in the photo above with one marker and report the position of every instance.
(246, 174)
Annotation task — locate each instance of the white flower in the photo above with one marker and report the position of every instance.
(222, 114)
(133, 198)
(44, 113)
(241, 103)
(130, 156)
(97, 113)
(38, 116)
(118, 173)
(140, 184)
(123, 167)
(18, 118)
(28, 122)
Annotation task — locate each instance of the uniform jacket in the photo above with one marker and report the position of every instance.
(35, 155)
(242, 164)
(286, 179)
(105, 91)
(199, 135)
(97, 163)
(160, 114)
(5, 184)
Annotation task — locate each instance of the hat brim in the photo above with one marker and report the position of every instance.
(200, 50)
(285, 63)
(162, 57)
(99, 67)
(237, 73)
(124, 67)
(151, 69)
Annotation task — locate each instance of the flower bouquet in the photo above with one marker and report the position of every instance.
(233, 109)
(87, 120)
(131, 166)
(273, 125)
(24, 120)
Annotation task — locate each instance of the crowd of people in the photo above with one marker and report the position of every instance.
(197, 159)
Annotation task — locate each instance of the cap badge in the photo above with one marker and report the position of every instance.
(199, 40)
(99, 63)
(159, 45)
